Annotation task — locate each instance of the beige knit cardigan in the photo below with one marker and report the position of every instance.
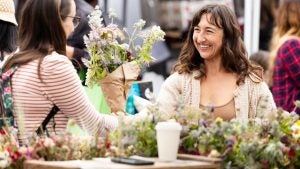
(252, 99)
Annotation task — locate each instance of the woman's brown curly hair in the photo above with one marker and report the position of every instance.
(234, 56)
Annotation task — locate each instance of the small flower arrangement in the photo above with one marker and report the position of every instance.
(138, 138)
(110, 47)
(68, 147)
(55, 148)
(258, 143)
(11, 157)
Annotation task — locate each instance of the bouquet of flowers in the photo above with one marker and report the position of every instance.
(115, 59)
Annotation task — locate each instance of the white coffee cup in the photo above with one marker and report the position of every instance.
(168, 135)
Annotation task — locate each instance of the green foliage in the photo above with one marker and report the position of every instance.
(146, 139)
(257, 143)
(140, 136)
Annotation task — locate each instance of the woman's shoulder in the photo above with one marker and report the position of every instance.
(54, 56)
(256, 82)
(181, 75)
(289, 41)
(292, 41)
(55, 62)
(55, 59)
(289, 49)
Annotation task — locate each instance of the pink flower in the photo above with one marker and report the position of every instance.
(3, 132)
(6, 75)
(8, 148)
(7, 90)
(49, 142)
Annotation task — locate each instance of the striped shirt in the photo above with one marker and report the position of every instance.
(33, 99)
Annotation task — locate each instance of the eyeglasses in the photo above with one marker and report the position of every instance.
(76, 20)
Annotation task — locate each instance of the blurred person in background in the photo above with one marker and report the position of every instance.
(285, 56)
(8, 35)
(267, 16)
(213, 70)
(262, 58)
(92, 2)
(8, 29)
(44, 84)
(76, 49)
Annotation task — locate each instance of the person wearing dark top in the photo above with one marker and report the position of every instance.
(285, 56)
(8, 29)
(75, 43)
(76, 49)
(267, 17)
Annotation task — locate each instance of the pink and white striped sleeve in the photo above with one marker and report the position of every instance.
(64, 88)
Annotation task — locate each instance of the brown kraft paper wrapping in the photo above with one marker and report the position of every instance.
(115, 85)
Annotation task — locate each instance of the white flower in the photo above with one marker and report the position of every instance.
(4, 159)
(95, 19)
(112, 14)
(139, 25)
(286, 114)
(157, 33)
(88, 77)
(124, 46)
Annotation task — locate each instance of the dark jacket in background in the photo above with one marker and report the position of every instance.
(83, 9)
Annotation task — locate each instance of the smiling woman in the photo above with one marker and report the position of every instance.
(208, 38)
(213, 70)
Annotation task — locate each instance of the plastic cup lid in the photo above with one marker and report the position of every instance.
(168, 125)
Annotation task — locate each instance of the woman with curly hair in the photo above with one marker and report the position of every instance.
(213, 70)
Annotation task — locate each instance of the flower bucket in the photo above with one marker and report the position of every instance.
(115, 85)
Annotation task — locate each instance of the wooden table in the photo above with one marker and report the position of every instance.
(105, 163)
